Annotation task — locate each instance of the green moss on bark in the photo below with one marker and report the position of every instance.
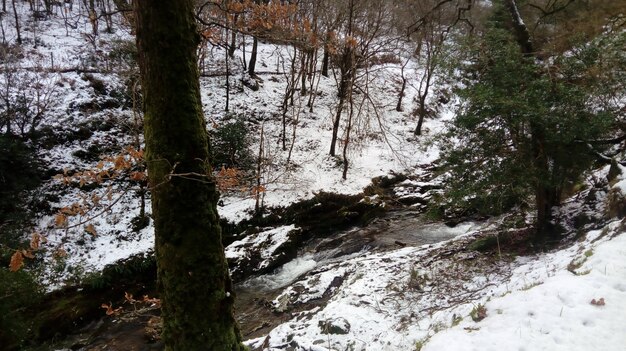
(196, 289)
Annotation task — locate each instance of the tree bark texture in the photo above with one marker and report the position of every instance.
(193, 278)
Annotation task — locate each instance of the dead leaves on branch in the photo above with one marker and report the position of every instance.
(36, 240)
(235, 180)
(229, 179)
(111, 167)
(110, 311)
(17, 259)
(139, 305)
(126, 165)
(91, 229)
(145, 300)
(272, 20)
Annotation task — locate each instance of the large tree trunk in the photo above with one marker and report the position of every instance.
(195, 287)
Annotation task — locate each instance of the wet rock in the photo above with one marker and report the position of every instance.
(614, 171)
(282, 303)
(337, 282)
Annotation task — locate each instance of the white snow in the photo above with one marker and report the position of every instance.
(620, 183)
(532, 303)
(557, 314)
(266, 242)
(397, 300)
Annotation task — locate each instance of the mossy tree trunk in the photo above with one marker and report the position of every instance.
(193, 278)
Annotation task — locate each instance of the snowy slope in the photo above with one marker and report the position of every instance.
(407, 299)
(412, 298)
(62, 48)
(566, 311)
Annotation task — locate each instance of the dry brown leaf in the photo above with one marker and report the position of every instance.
(17, 261)
(138, 176)
(35, 241)
(156, 302)
(60, 253)
(60, 220)
(129, 297)
(91, 229)
(109, 309)
(599, 302)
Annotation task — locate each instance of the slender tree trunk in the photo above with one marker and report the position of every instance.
(326, 55)
(520, 30)
(346, 161)
(233, 39)
(253, 53)
(403, 88)
(289, 93)
(312, 86)
(259, 168)
(325, 60)
(345, 86)
(125, 8)
(196, 290)
(303, 73)
(421, 114)
(333, 141)
(243, 52)
(17, 23)
(227, 107)
(93, 18)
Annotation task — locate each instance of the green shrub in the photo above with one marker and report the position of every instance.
(19, 172)
(230, 145)
(18, 292)
(124, 52)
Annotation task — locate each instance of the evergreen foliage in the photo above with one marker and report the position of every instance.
(19, 172)
(18, 291)
(514, 112)
(230, 145)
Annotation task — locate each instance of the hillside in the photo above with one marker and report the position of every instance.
(374, 248)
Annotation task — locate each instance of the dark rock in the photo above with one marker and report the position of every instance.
(614, 171)
(339, 326)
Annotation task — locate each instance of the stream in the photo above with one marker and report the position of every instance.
(396, 230)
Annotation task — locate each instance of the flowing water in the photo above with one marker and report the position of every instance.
(396, 230)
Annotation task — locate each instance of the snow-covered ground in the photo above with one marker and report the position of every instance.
(87, 77)
(425, 299)
(407, 299)
(549, 307)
